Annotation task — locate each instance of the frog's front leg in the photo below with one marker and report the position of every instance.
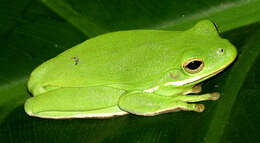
(197, 98)
(149, 104)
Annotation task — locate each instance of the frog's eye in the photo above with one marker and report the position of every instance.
(193, 65)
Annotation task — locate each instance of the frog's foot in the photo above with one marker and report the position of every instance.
(149, 104)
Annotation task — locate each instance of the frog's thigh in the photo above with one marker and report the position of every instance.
(149, 104)
(87, 102)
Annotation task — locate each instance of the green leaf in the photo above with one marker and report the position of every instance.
(96, 17)
(32, 32)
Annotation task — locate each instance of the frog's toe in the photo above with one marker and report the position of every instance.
(197, 98)
(196, 88)
(214, 96)
(199, 108)
(192, 107)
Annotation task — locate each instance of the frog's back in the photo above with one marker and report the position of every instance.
(125, 57)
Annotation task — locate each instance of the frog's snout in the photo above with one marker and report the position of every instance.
(28, 108)
(230, 53)
(233, 52)
(35, 82)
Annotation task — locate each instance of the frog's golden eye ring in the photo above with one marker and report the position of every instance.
(193, 65)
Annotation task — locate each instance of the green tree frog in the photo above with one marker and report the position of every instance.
(142, 72)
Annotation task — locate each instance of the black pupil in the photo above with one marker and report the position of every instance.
(194, 65)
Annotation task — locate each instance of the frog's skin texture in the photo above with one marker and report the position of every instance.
(142, 72)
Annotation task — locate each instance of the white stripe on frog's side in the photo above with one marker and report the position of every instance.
(183, 82)
(151, 89)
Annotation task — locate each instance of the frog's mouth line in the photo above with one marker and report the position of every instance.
(199, 78)
(187, 81)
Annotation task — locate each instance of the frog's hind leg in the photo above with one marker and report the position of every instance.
(149, 104)
(76, 102)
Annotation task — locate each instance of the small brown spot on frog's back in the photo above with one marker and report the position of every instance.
(76, 60)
